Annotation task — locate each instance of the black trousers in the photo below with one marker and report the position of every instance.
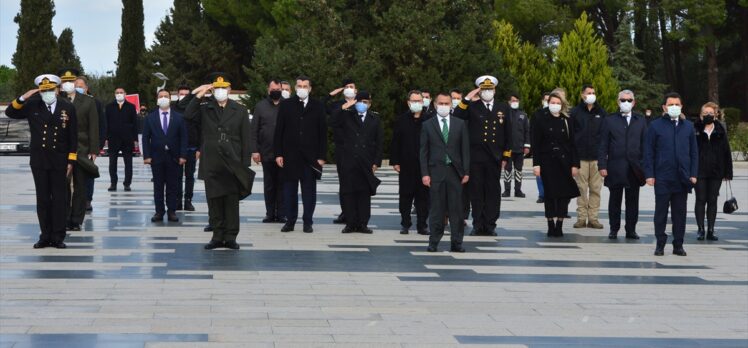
(189, 176)
(513, 170)
(166, 177)
(51, 204)
(357, 208)
(418, 196)
(446, 199)
(127, 158)
(77, 195)
(677, 204)
(272, 188)
(466, 201)
(308, 197)
(707, 192)
(223, 215)
(485, 194)
(556, 207)
(632, 205)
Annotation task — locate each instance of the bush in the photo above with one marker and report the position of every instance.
(732, 118)
(739, 138)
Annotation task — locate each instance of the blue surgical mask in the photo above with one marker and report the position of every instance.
(80, 90)
(361, 107)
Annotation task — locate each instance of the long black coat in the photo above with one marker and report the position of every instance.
(227, 146)
(715, 157)
(121, 126)
(555, 153)
(361, 148)
(621, 147)
(300, 136)
(405, 150)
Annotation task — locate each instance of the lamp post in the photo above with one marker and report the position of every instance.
(161, 77)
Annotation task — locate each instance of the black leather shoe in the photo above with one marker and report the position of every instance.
(214, 244)
(614, 235)
(157, 217)
(58, 245)
(423, 232)
(506, 194)
(112, 188)
(632, 235)
(520, 194)
(365, 230)
(281, 220)
(404, 231)
(457, 250)
(172, 217)
(231, 244)
(710, 236)
(179, 205)
(347, 229)
(41, 244)
(431, 249)
(208, 228)
(308, 229)
(492, 233)
(89, 208)
(540, 200)
(659, 252)
(340, 219)
(268, 219)
(74, 227)
(127, 188)
(287, 228)
(188, 205)
(679, 252)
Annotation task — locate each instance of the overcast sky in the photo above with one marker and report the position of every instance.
(95, 24)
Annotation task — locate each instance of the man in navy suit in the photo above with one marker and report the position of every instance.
(165, 149)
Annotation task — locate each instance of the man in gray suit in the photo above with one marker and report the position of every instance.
(445, 165)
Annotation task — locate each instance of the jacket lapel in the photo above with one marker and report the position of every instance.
(438, 128)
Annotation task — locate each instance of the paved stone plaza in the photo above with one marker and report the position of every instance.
(125, 282)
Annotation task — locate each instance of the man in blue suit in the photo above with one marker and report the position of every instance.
(165, 150)
(671, 165)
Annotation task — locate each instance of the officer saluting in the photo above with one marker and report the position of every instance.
(54, 143)
(488, 125)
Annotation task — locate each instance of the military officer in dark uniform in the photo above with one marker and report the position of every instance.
(54, 142)
(87, 117)
(348, 87)
(489, 129)
(361, 153)
(225, 157)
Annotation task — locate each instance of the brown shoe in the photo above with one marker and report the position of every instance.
(595, 224)
(580, 224)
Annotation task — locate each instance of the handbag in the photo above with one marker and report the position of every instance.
(731, 204)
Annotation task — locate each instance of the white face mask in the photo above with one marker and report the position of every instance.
(443, 110)
(590, 99)
(302, 93)
(180, 97)
(455, 103)
(487, 95)
(514, 105)
(673, 111)
(415, 107)
(349, 93)
(119, 97)
(426, 102)
(221, 94)
(163, 102)
(68, 87)
(545, 103)
(554, 108)
(626, 107)
(48, 97)
(285, 94)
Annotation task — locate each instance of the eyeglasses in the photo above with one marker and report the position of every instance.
(626, 100)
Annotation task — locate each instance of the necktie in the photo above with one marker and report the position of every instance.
(165, 121)
(363, 117)
(488, 106)
(445, 136)
(49, 107)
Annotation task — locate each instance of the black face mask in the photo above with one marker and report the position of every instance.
(275, 95)
(708, 119)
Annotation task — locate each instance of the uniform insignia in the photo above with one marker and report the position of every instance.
(64, 117)
(501, 120)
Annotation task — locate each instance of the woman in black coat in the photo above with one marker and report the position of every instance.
(555, 160)
(715, 164)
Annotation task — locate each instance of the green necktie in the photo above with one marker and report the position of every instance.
(445, 136)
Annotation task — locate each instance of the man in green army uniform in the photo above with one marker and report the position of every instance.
(225, 156)
(88, 146)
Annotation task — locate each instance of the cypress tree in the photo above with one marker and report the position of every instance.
(36, 49)
(131, 46)
(66, 46)
(582, 58)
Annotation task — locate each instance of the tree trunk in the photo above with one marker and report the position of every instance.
(667, 54)
(712, 71)
(744, 49)
(677, 63)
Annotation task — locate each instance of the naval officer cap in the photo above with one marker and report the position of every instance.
(68, 74)
(486, 82)
(47, 82)
(363, 95)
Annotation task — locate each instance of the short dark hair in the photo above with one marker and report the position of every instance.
(163, 90)
(516, 95)
(284, 82)
(546, 94)
(425, 91)
(120, 87)
(455, 90)
(443, 94)
(183, 87)
(275, 81)
(304, 78)
(671, 95)
(587, 85)
(413, 91)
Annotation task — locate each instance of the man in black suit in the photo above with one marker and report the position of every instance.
(445, 166)
(361, 154)
(165, 150)
(54, 141)
(122, 135)
(348, 87)
(266, 115)
(488, 122)
(300, 149)
(619, 161)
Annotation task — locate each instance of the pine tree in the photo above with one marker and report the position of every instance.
(582, 58)
(131, 46)
(66, 46)
(36, 48)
